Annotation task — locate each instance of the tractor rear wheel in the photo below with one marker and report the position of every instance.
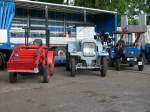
(141, 65)
(118, 64)
(2, 62)
(68, 66)
(46, 74)
(104, 66)
(67, 59)
(111, 63)
(12, 77)
(68, 62)
(73, 66)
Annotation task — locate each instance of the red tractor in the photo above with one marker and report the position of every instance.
(34, 58)
(31, 59)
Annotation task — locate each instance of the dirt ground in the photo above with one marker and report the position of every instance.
(127, 90)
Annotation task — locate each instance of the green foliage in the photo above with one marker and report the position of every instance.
(132, 22)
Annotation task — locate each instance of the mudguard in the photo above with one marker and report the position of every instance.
(50, 59)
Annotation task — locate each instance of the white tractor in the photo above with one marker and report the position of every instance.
(86, 54)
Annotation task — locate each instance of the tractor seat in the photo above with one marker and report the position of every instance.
(37, 42)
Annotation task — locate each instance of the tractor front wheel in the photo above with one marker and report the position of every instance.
(141, 65)
(67, 62)
(12, 77)
(104, 66)
(67, 66)
(2, 62)
(73, 66)
(46, 74)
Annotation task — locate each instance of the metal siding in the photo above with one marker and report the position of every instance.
(7, 11)
(57, 21)
(106, 23)
(116, 22)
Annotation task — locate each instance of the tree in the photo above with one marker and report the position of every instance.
(135, 7)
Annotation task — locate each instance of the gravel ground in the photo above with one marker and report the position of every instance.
(127, 90)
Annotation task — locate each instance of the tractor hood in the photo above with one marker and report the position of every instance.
(131, 52)
(88, 40)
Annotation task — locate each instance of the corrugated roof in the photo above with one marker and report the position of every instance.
(59, 7)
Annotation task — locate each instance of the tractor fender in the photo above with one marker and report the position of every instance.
(50, 58)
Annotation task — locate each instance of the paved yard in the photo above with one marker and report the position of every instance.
(121, 91)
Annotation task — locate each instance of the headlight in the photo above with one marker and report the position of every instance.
(36, 70)
(16, 55)
(89, 52)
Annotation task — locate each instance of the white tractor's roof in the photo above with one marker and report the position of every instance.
(88, 40)
(27, 4)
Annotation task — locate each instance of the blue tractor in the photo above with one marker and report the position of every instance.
(126, 50)
(7, 12)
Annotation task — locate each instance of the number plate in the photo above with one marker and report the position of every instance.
(140, 63)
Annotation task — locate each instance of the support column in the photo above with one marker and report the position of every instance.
(46, 27)
(85, 16)
(27, 31)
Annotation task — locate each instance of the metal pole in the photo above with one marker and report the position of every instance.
(85, 19)
(26, 37)
(145, 2)
(27, 30)
(46, 26)
(126, 5)
(65, 24)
